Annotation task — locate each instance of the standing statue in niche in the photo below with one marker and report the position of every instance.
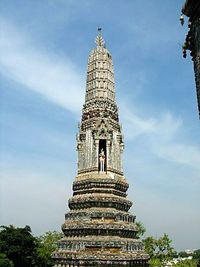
(102, 160)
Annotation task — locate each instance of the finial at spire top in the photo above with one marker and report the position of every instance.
(99, 40)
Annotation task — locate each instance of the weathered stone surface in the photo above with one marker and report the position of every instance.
(98, 229)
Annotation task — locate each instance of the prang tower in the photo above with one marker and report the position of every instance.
(98, 229)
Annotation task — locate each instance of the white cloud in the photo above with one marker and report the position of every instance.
(160, 135)
(180, 153)
(163, 125)
(57, 80)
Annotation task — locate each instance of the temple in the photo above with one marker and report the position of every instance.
(98, 229)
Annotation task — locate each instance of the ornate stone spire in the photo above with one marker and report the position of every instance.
(98, 229)
(100, 74)
(100, 123)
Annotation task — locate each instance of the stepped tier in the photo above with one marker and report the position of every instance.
(96, 214)
(105, 227)
(101, 257)
(108, 176)
(101, 253)
(96, 200)
(99, 190)
(96, 185)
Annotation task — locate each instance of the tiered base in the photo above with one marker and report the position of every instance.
(99, 231)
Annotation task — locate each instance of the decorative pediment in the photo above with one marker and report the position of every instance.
(102, 130)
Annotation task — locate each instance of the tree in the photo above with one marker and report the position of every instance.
(196, 255)
(4, 261)
(155, 262)
(159, 250)
(140, 229)
(19, 248)
(184, 254)
(46, 245)
(18, 245)
(185, 263)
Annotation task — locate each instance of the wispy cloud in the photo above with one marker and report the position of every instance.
(163, 125)
(180, 153)
(55, 79)
(160, 135)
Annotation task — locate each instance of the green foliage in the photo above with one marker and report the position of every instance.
(18, 245)
(185, 263)
(155, 262)
(183, 254)
(190, 263)
(196, 255)
(4, 261)
(141, 229)
(150, 246)
(19, 248)
(159, 250)
(46, 245)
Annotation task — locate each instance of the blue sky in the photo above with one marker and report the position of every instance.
(43, 59)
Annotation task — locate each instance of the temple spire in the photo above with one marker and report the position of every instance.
(99, 39)
(98, 229)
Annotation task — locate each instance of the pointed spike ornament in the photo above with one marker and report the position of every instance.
(99, 39)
